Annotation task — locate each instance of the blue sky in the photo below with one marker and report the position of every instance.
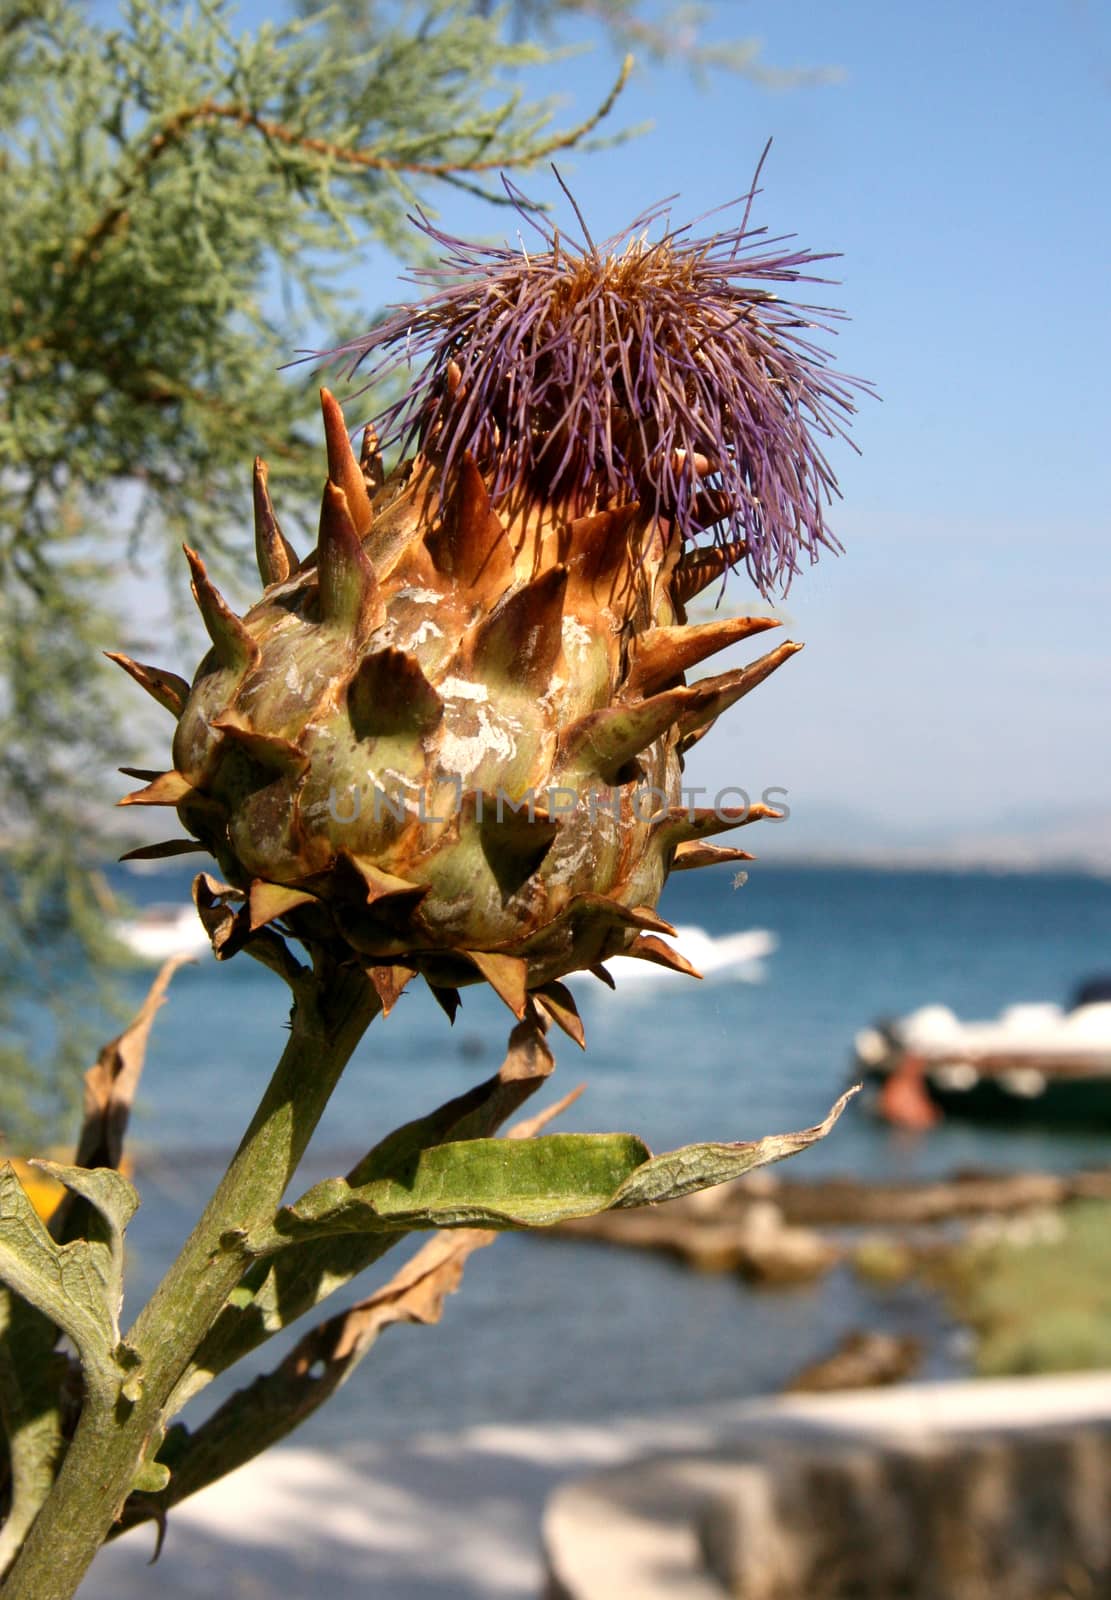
(957, 664)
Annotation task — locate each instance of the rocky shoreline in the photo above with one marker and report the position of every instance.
(770, 1229)
(775, 1233)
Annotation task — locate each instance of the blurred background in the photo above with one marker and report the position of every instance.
(942, 743)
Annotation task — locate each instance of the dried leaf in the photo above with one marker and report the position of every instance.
(227, 929)
(556, 999)
(529, 1127)
(275, 1293)
(270, 1408)
(168, 847)
(258, 1416)
(230, 930)
(111, 1082)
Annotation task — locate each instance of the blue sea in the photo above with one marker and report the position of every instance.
(547, 1328)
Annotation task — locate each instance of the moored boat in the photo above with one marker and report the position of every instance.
(1034, 1063)
(734, 957)
(160, 932)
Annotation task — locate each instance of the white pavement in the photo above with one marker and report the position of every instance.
(458, 1517)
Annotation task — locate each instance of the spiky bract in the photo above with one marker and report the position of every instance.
(605, 371)
(450, 741)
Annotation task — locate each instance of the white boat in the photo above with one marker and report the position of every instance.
(162, 931)
(1038, 1061)
(735, 957)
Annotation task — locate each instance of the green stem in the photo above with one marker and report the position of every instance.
(329, 1018)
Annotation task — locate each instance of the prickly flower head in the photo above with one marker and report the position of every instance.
(450, 741)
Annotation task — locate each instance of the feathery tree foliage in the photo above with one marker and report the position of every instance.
(179, 196)
(676, 34)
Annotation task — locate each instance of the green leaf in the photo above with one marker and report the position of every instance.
(274, 1403)
(151, 1478)
(495, 1183)
(78, 1286)
(113, 1202)
(702, 1166)
(474, 1115)
(482, 1183)
(274, 1293)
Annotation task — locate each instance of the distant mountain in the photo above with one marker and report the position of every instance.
(1069, 839)
(1077, 840)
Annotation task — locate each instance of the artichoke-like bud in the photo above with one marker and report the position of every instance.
(450, 741)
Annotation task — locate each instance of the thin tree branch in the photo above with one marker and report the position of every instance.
(207, 112)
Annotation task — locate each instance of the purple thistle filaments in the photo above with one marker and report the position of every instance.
(666, 371)
(492, 636)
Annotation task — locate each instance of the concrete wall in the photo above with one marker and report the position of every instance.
(985, 1495)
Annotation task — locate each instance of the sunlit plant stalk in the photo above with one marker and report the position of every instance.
(503, 615)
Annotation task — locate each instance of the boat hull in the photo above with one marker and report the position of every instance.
(911, 1084)
(1078, 1103)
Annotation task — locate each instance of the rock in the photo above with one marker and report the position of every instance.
(1022, 1517)
(755, 1242)
(862, 1360)
(774, 1253)
(848, 1202)
(841, 1500)
(881, 1260)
